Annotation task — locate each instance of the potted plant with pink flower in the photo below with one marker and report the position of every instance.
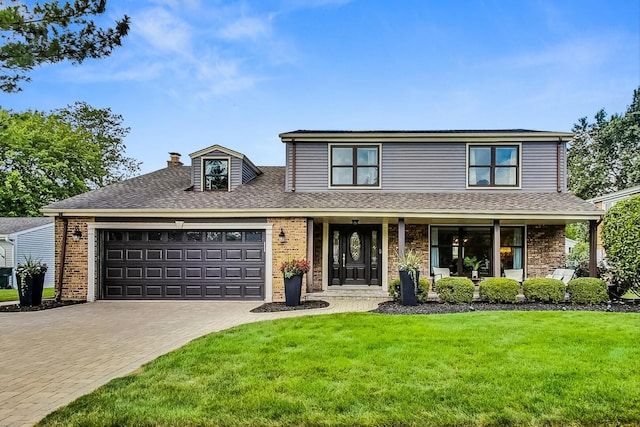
(293, 271)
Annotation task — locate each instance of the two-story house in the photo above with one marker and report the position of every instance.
(348, 201)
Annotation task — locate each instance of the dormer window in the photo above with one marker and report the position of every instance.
(215, 174)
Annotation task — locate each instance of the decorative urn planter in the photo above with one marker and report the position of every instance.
(292, 271)
(292, 290)
(408, 288)
(30, 290)
(30, 277)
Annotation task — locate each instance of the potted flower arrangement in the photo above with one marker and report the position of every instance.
(30, 276)
(293, 271)
(409, 269)
(474, 264)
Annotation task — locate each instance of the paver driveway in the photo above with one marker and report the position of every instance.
(49, 358)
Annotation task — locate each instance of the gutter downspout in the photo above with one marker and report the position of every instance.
(63, 256)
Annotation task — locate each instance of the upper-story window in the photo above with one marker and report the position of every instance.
(493, 165)
(215, 174)
(355, 166)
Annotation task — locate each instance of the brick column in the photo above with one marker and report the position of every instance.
(295, 247)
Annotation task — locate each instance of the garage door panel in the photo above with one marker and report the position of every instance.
(233, 272)
(115, 254)
(154, 254)
(114, 273)
(213, 255)
(214, 272)
(173, 290)
(193, 255)
(134, 273)
(193, 273)
(134, 290)
(233, 255)
(154, 290)
(174, 254)
(173, 272)
(134, 254)
(174, 265)
(154, 273)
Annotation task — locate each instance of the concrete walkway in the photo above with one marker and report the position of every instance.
(49, 358)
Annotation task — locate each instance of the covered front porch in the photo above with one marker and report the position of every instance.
(357, 255)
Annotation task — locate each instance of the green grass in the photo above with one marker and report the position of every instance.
(12, 294)
(471, 369)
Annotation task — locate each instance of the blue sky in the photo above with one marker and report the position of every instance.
(237, 73)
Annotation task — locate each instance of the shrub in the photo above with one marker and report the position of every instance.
(544, 290)
(499, 289)
(423, 290)
(455, 290)
(621, 241)
(588, 290)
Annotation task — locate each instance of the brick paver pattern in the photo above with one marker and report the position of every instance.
(52, 357)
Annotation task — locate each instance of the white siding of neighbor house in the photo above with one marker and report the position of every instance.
(39, 244)
(236, 169)
(6, 254)
(425, 167)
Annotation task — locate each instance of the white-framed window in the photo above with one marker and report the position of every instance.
(354, 166)
(215, 174)
(493, 165)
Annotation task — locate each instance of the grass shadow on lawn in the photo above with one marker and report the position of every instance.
(480, 368)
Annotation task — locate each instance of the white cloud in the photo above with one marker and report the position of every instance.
(246, 28)
(163, 30)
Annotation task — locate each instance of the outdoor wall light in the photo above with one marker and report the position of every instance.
(281, 236)
(77, 234)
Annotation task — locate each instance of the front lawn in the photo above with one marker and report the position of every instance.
(489, 368)
(12, 294)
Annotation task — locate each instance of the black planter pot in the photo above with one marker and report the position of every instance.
(408, 288)
(292, 290)
(31, 291)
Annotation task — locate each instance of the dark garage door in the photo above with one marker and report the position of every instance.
(187, 264)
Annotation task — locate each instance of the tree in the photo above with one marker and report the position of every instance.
(621, 241)
(104, 129)
(45, 158)
(51, 32)
(604, 156)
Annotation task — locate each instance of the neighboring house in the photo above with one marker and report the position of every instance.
(347, 201)
(21, 238)
(606, 202)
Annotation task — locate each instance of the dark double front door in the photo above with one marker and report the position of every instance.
(355, 253)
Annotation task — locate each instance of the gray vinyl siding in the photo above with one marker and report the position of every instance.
(38, 244)
(248, 173)
(237, 169)
(425, 167)
(311, 166)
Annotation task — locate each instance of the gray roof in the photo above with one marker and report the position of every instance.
(10, 225)
(169, 189)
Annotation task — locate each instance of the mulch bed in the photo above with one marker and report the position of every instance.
(272, 307)
(46, 304)
(392, 307)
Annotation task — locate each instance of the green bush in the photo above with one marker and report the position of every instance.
(423, 290)
(544, 290)
(588, 290)
(499, 289)
(455, 290)
(621, 241)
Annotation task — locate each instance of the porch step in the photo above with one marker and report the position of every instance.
(351, 292)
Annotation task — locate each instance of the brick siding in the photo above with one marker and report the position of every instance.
(545, 249)
(75, 275)
(295, 247)
(416, 239)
